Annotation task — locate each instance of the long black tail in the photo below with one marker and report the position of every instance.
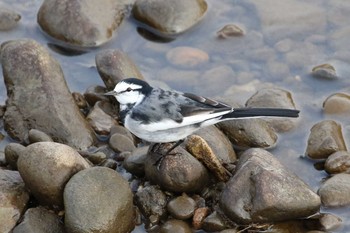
(255, 112)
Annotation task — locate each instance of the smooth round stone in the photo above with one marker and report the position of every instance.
(121, 143)
(99, 120)
(12, 153)
(98, 199)
(8, 19)
(337, 103)
(336, 191)
(182, 207)
(325, 138)
(121, 130)
(135, 162)
(338, 162)
(187, 57)
(174, 225)
(46, 167)
(169, 17)
(35, 135)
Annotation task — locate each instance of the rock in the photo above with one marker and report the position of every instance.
(325, 138)
(200, 149)
(187, 57)
(262, 190)
(336, 191)
(98, 199)
(113, 65)
(324, 221)
(79, 100)
(337, 103)
(246, 133)
(274, 98)
(325, 71)
(198, 217)
(97, 157)
(152, 203)
(35, 135)
(99, 120)
(46, 167)
(181, 207)
(94, 94)
(230, 30)
(121, 130)
(86, 24)
(169, 17)
(174, 225)
(12, 153)
(121, 143)
(40, 220)
(178, 172)
(39, 97)
(338, 162)
(13, 199)
(214, 223)
(135, 161)
(8, 19)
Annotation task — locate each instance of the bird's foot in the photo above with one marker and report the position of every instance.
(159, 149)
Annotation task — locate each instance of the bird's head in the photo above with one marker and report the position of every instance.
(130, 91)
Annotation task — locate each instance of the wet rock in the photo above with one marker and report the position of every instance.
(247, 133)
(46, 167)
(325, 138)
(8, 19)
(338, 162)
(35, 135)
(97, 157)
(14, 198)
(38, 96)
(326, 71)
(98, 199)
(187, 57)
(94, 94)
(152, 203)
(99, 120)
(274, 98)
(81, 23)
(219, 143)
(198, 217)
(230, 30)
(121, 130)
(262, 190)
(336, 191)
(79, 100)
(40, 220)
(337, 103)
(169, 17)
(110, 163)
(174, 225)
(12, 153)
(135, 161)
(114, 65)
(177, 172)
(214, 223)
(200, 149)
(121, 143)
(325, 222)
(182, 207)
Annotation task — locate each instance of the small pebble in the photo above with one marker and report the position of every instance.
(230, 30)
(182, 207)
(121, 143)
(187, 57)
(35, 135)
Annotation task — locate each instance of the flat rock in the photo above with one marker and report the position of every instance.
(83, 23)
(325, 138)
(38, 96)
(98, 200)
(114, 65)
(169, 17)
(13, 199)
(46, 167)
(262, 190)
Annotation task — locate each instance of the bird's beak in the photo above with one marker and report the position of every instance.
(114, 93)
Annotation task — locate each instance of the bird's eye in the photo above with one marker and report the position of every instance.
(128, 89)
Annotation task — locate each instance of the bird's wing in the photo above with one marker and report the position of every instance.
(206, 101)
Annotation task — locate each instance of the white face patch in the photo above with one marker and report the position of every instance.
(128, 93)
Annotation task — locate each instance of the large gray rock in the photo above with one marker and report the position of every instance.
(98, 200)
(46, 167)
(83, 23)
(169, 17)
(38, 96)
(262, 190)
(39, 220)
(13, 199)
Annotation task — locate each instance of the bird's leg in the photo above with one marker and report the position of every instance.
(178, 143)
(161, 157)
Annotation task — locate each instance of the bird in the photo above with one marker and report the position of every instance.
(160, 116)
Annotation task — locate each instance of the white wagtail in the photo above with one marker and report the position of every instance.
(160, 116)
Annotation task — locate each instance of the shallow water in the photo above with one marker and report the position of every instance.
(283, 40)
